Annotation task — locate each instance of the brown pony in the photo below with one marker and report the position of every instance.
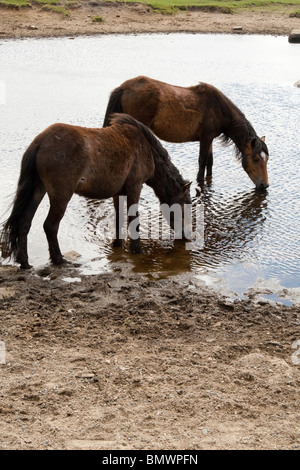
(197, 113)
(95, 163)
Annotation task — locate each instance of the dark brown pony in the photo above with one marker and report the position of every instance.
(95, 163)
(197, 113)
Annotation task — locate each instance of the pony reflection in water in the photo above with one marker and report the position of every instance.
(197, 113)
(95, 163)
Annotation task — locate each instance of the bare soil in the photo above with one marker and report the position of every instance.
(122, 360)
(125, 361)
(137, 18)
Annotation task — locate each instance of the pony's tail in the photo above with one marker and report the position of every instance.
(25, 189)
(114, 105)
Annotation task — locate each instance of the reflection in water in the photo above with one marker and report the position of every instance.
(231, 227)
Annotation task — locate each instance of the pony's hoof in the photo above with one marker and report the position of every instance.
(135, 249)
(200, 180)
(25, 266)
(60, 261)
(137, 252)
(116, 243)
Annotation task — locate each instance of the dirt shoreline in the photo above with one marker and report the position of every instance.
(122, 360)
(137, 18)
(126, 361)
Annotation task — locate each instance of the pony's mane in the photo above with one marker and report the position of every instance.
(164, 168)
(241, 131)
(238, 130)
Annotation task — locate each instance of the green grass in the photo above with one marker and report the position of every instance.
(171, 6)
(45, 2)
(98, 19)
(56, 8)
(15, 3)
(222, 5)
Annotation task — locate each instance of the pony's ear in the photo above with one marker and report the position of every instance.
(263, 138)
(186, 186)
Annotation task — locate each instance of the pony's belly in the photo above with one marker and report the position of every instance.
(171, 127)
(174, 134)
(96, 190)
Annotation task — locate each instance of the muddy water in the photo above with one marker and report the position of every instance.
(247, 236)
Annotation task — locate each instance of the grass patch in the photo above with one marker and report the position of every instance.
(98, 19)
(161, 8)
(55, 5)
(225, 6)
(45, 2)
(290, 7)
(295, 14)
(57, 9)
(15, 3)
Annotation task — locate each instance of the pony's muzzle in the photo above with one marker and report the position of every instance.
(262, 185)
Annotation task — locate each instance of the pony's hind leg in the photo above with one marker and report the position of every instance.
(210, 161)
(24, 227)
(51, 226)
(205, 161)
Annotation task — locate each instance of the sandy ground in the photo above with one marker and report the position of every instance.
(127, 361)
(122, 18)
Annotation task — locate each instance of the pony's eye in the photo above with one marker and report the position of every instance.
(256, 159)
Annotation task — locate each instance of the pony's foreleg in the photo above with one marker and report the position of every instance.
(133, 221)
(205, 161)
(119, 220)
(51, 226)
(24, 227)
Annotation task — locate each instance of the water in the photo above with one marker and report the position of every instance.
(247, 236)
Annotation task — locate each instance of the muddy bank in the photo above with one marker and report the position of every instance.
(121, 360)
(126, 361)
(137, 18)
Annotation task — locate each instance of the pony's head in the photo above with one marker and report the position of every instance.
(254, 160)
(176, 211)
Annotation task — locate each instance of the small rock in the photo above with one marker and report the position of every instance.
(72, 255)
(87, 375)
(6, 293)
(294, 37)
(226, 304)
(32, 27)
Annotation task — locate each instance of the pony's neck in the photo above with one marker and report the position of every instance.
(166, 181)
(239, 130)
